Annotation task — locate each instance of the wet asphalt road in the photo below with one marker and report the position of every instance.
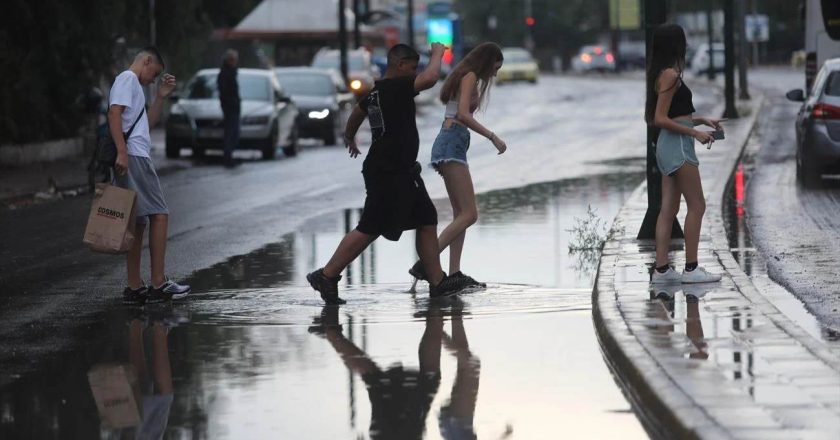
(244, 237)
(795, 228)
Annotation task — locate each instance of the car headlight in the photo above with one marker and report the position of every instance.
(179, 118)
(356, 84)
(319, 114)
(255, 120)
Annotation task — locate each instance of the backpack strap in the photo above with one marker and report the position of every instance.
(128, 133)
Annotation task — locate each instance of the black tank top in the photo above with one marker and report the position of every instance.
(681, 104)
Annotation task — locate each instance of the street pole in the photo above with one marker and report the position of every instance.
(342, 38)
(742, 51)
(655, 13)
(529, 38)
(357, 33)
(710, 29)
(755, 40)
(729, 65)
(411, 23)
(152, 24)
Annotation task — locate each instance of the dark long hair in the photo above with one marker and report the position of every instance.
(666, 51)
(481, 61)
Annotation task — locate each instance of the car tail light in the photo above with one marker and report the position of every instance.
(610, 58)
(586, 58)
(597, 51)
(826, 111)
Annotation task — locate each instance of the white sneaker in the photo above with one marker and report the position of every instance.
(666, 292)
(696, 291)
(699, 275)
(669, 277)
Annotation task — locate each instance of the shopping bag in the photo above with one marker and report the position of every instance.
(116, 391)
(110, 226)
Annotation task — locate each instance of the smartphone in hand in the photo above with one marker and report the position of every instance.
(717, 135)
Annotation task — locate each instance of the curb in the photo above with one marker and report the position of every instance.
(666, 411)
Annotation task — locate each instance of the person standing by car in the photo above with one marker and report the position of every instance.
(135, 171)
(229, 96)
(669, 107)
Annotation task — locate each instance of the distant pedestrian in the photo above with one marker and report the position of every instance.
(465, 90)
(229, 97)
(669, 107)
(135, 171)
(396, 195)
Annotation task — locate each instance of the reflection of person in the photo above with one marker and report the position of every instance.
(157, 389)
(401, 397)
(229, 97)
(693, 324)
(397, 199)
(669, 107)
(136, 172)
(464, 91)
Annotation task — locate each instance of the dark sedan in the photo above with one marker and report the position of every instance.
(322, 98)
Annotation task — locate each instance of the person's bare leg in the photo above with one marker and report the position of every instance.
(158, 233)
(351, 246)
(427, 248)
(161, 368)
(135, 281)
(459, 187)
(665, 222)
(465, 388)
(688, 180)
(428, 351)
(136, 351)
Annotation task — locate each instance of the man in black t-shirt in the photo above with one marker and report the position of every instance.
(396, 199)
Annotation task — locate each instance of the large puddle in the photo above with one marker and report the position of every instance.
(253, 354)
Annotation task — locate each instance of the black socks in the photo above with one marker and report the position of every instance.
(690, 266)
(664, 268)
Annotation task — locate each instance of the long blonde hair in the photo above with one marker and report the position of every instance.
(481, 61)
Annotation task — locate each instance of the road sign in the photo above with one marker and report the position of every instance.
(625, 14)
(757, 28)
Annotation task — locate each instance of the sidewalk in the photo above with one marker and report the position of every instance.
(21, 186)
(729, 365)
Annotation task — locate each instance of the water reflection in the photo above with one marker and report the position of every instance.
(401, 397)
(666, 314)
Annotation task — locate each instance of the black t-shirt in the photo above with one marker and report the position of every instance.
(390, 110)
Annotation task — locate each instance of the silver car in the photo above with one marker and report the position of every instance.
(818, 125)
(268, 115)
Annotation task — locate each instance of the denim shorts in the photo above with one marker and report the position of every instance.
(673, 150)
(451, 145)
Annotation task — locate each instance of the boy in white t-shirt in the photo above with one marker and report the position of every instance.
(135, 171)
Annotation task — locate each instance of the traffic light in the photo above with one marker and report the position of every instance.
(530, 21)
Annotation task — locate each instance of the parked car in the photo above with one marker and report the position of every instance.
(361, 71)
(519, 65)
(818, 125)
(594, 59)
(322, 98)
(268, 115)
(700, 59)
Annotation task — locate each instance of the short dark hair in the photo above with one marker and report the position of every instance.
(402, 52)
(152, 50)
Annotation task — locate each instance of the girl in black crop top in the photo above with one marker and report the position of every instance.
(669, 108)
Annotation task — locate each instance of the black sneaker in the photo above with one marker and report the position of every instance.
(167, 291)
(328, 287)
(327, 320)
(134, 297)
(448, 286)
(417, 271)
(470, 280)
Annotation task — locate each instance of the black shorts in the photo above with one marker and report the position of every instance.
(395, 202)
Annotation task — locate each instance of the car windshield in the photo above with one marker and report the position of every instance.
(251, 87)
(330, 61)
(517, 57)
(306, 84)
(832, 86)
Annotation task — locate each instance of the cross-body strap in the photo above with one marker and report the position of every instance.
(128, 133)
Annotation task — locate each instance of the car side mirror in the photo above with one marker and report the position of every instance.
(797, 95)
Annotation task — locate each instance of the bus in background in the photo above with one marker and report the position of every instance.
(822, 35)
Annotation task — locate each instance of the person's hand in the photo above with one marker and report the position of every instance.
(167, 85)
(703, 137)
(498, 143)
(121, 165)
(350, 143)
(438, 49)
(714, 123)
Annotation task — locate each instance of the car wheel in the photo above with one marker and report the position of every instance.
(198, 153)
(173, 148)
(329, 137)
(269, 149)
(294, 145)
(808, 174)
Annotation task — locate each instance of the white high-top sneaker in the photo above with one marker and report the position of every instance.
(669, 277)
(699, 275)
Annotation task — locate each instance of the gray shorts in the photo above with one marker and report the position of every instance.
(142, 179)
(673, 150)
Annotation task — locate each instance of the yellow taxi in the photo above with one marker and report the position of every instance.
(519, 65)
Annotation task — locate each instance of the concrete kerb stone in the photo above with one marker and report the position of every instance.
(668, 408)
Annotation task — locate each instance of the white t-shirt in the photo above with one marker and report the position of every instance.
(127, 91)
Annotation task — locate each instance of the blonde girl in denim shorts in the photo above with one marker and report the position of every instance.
(465, 90)
(669, 107)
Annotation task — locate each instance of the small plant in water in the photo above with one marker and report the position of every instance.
(588, 233)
